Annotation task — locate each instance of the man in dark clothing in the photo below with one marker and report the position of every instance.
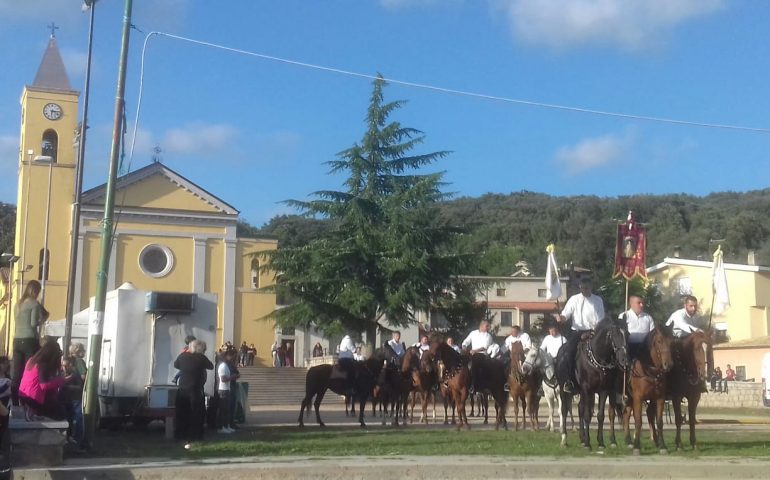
(190, 403)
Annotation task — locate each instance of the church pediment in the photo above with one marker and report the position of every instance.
(158, 187)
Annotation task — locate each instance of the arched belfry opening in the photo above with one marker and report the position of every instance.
(50, 144)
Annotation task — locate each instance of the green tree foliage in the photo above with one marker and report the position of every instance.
(385, 249)
(7, 227)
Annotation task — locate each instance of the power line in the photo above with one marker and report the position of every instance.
(484, 96)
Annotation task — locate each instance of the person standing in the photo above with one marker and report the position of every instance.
(685, 321)
(224, 377)
(276, 349)
(30, 315)
(190, 402)
(318, 350)
(586, 310)
(252, 355)
(243, 354)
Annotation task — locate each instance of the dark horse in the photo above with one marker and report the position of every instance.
(647, 381)
(599, 358)
(489, 377)
(685, 380)
(423, 377)
(455, 376)
(359, 380)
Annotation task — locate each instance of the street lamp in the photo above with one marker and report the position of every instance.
(45, 160)
(11, 259)
(75, 227)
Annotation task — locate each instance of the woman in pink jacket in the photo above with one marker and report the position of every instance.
(40, 384)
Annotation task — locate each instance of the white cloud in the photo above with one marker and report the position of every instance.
(626, 24)
(594, 152)
(200, 139)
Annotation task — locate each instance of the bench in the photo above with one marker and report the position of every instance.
(36, 442)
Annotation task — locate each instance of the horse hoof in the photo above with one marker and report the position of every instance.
(600, 447)
(322, 424)
(637, 452)
(630, 445)
(613, 445)
(679, 449)
(663, 451)
(587, 448)
(695, 448)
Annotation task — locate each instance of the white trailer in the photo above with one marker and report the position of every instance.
(144, 333)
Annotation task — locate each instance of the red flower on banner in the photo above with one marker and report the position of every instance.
(630, 250)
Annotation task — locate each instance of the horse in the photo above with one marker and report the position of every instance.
(421, 371)
(357, 378)
(488, 376)
(523, 387)
(455, 376)
(598, 359)
(540, 361)
(686, 378)
(647, 381)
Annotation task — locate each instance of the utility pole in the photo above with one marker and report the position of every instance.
(75, 227)
(96, 320)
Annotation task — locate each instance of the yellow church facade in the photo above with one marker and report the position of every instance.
(170, 234)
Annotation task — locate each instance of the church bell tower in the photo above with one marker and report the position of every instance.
(46, 167)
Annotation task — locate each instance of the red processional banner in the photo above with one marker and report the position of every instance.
(630, 250)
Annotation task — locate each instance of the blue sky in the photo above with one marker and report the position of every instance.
(256, 132)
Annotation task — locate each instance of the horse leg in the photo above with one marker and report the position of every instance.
(317, 405)
(361, 407)
(676, 403)
(424, 403)
(564, 404)
(549, 423)
(587, 416)
(305, 405)
(637, 402)
(659, 420)
(600, 421)
(651, 422)
(692, 406)
(433, 395)
(533, 410)
(485, 407)
(627, 411)
(614, 413)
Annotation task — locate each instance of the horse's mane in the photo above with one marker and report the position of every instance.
(448, 355)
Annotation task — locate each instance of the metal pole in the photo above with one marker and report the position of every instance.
(96, 320)
(44, 265)
(75, 227)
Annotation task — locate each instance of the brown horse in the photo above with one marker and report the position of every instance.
(422, 372)
(685, 380)
(647, 381)
(523, 388)
(455, 376)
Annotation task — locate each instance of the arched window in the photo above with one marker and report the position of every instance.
(45, 261)
(254, 273)
(50, 144)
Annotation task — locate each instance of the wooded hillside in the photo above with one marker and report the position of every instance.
(510, 228)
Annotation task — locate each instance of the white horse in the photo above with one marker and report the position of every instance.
(542, 361)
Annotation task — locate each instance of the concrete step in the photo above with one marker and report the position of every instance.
(278, 386)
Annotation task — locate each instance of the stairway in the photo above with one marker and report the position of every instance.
(278, 386)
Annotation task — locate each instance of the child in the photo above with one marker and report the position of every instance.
(74, 397)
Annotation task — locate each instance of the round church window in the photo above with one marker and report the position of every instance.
(156, 260)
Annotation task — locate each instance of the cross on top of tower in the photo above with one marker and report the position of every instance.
(53, 28)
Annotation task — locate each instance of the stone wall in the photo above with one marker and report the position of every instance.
(739, 394)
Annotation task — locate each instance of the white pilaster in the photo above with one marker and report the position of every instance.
(228, 300)
(199, 265)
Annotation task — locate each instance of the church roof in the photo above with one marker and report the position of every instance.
(51, 73)
(97, 194)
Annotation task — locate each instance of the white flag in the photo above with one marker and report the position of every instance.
(552, 282)
(721, 295)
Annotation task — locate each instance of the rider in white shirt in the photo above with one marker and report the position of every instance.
(479, 340)
(347, 348)
(518, 336)
(639, 323)
(396, 344)
(423, 345)
(684, 320)
(450, 341)
(552, 342)
(586, 311)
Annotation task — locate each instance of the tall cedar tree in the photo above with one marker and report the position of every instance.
(387, 252)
